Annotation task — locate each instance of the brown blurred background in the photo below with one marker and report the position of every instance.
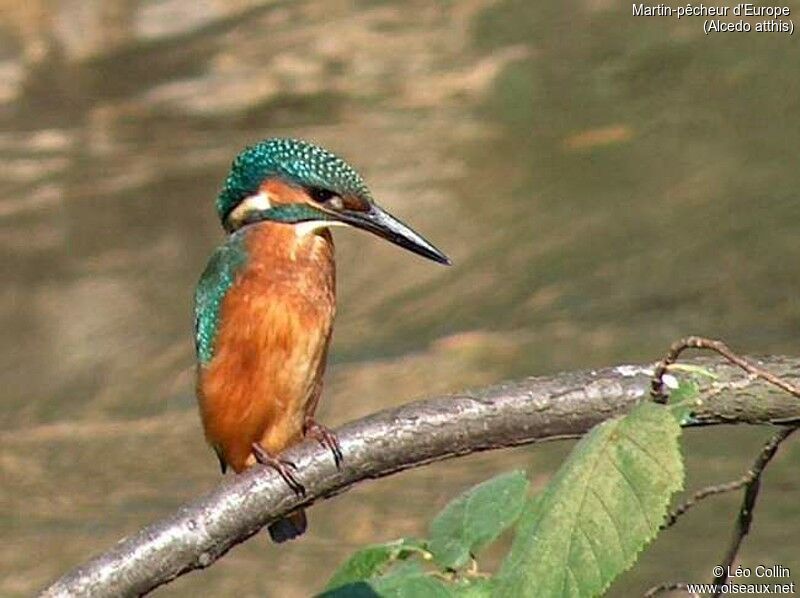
(605, 183)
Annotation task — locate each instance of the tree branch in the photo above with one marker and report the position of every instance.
(700, 342)
(669, 587)
(752, 478)
(745, 517)
(509, 414)
(702, 494)
(751, 481)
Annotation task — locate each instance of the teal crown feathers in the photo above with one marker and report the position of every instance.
(296, 161)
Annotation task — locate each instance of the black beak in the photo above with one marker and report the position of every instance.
(386, 226)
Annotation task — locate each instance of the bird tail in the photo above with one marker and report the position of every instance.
(288, 528)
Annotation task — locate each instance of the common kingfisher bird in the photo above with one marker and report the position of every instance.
(265, 304)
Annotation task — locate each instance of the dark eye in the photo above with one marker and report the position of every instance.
(326, 196)
(321, 195)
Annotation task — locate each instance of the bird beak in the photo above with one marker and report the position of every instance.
(382, 223)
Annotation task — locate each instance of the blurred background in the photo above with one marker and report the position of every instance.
(604, 183)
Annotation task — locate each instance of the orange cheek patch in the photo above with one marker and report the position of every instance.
(355, 204)
(281, 192)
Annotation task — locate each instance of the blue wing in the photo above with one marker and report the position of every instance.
(217, 278)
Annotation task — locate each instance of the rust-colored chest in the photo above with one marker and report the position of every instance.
(270, 348)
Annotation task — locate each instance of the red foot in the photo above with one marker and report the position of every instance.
(282, 466)
(326, 438)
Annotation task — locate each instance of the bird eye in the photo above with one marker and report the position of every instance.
(321, 195)
(327, 197)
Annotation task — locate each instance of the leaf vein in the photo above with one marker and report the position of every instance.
(595, 558)
(571, 573)
(646, 452)
(630, 484)
(614, 525)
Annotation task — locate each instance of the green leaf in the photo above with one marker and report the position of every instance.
(682, 400)
(409, 580)
(687, 391)
(358, 589)
(605, 503)
(372, 560)
(697, 370)
(476, 517)
(480, 588)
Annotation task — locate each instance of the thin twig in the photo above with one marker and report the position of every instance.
(699, 342)
(745, 517)
(670, 587)
(672, 517)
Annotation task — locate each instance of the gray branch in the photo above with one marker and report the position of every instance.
(514, 413)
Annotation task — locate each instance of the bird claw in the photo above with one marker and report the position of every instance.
(326, 438)
(282, 466)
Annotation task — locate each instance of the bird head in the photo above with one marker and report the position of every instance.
(298, 183)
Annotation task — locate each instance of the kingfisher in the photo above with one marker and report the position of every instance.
(266, 301)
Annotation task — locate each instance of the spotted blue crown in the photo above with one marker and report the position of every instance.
(296, 161)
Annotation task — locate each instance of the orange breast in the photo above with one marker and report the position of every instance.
(270, 349)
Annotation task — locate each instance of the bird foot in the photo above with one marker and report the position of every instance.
(283, 466)
(326, 438)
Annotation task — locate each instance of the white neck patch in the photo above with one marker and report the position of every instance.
(301, 229)
(259, 201)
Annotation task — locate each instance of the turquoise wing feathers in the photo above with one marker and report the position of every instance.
(217, 278)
